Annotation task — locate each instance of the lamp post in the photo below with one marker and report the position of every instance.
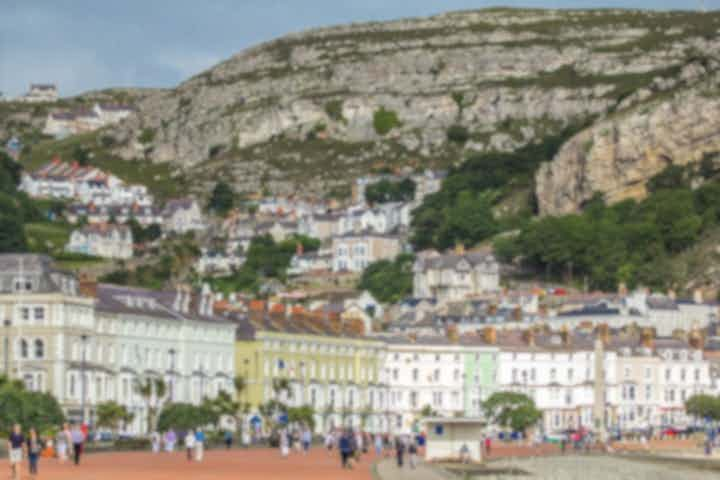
(6, 347)
(83, 391)
(172, 352)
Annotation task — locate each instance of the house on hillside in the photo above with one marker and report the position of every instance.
(356, 250)
(102, 240)
(455, 275)
(182, 215)
(39, 93)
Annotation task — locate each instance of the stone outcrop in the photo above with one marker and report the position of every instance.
(616, 156)
(268, 115)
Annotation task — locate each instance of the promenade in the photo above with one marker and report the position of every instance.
(254, 464)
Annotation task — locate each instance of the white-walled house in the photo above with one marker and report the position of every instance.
(40, 93)
(455, 275)
(355, 251)
(182, 215)
(102, 240)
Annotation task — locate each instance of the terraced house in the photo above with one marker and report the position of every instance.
(302, 359)
(87, 343)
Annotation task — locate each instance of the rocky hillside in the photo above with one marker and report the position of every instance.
(328, 104)
(617, 155)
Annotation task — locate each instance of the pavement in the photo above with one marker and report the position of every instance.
(387, 469)
(253, 464)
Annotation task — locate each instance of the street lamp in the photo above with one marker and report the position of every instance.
(6, 347)
(172, 352)
(83, 391)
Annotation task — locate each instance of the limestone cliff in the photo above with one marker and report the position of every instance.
(331, 103)
(616, 156)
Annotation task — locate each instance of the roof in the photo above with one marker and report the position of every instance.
(175, 204)
(431, 260)
(40, 268)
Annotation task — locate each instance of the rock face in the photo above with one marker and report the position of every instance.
(616, 156)
(306, 106)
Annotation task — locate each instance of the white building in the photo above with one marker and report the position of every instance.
(102, 240)
(39, 93)
(214, 262)
(356, 250)
(455, 275)
(182, 215)
(68, 337)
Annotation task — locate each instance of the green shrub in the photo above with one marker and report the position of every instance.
(147, 135)
(385, 120)
(333, 108)
(458, 134)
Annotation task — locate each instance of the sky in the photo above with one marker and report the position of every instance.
(91, 44)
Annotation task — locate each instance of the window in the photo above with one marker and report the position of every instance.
(39, 348)
(436, 375)
(25, 313)
(667, 374)
(648, 372)
(39, 313)
(415, 374)
(23, 348)
(553, 374)
(413, 399)
(697, 374)
(456, 375)
(648, 392)
(571, 373)
(682, 374)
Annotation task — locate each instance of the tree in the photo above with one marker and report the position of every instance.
(151, 389)
(222, 198)
(185, 416)
(388, 191)
(389, 280)
(18, 405)
(427, 411)
(458, 134)
(111, 414)
(703, 406)
(222, 405)
(511, 409)
(304, 415)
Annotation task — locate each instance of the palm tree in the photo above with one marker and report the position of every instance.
(148, 389)
(243, 408)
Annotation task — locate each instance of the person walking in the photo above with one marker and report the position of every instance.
(378, 444)
(199, 445)
(306, 440)
(228, 438)
(412, 454)
(399, 451)
(488, 445)
(345, 448)
(284, 441)
(78, 441)
(190, 445)
(15, 446)
(34, 447)
(63, 441)
(329, 442)
(155, 442)
(170, 440)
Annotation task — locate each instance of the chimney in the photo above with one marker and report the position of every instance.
(459, 248)
(647, 338)
(698, 296)
(177, 303)
(565, 335)
(185, 304)
(490, 335)
(452, 333)
(529, 337)
(299, 250)
(88, 286)
(695, 339)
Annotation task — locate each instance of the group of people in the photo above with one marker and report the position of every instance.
(300, 439)
(352, 444)
(193, 440)
(68, 441)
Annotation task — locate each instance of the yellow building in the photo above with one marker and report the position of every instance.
(304, 360)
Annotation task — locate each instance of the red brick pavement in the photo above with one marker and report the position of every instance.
(254, 464)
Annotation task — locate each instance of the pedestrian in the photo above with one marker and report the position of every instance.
(465, 453)
(329, 442)
(170, 440)
(34, 447)
(359, 445)
(378, 444)
(199, 445)
(488, 445)
(413, 451)
(345, 448)
(78, 441)
(228, 439)
(63, 441)
(399, 451)
(306, 440)
(284, 442)
(155, 442)
(15, 446)
(246, 437)
(190, 445)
